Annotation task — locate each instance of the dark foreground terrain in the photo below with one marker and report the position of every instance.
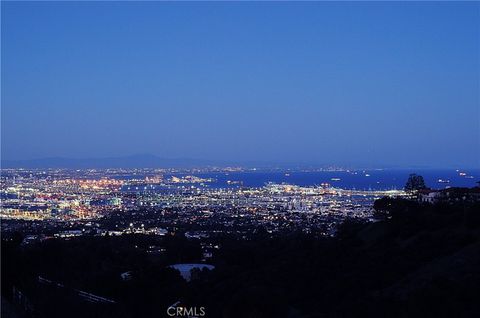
(420, 261)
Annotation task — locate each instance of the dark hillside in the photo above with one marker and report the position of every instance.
(421, 261)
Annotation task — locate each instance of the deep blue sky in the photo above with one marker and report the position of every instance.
(377, 83)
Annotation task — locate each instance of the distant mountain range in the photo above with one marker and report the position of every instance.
(135, 161)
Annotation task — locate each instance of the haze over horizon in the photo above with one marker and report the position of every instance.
(154, 161)
(359, 83)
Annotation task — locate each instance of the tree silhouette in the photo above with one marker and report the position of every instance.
(415, 183)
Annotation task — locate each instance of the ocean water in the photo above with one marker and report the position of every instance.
(361, 179)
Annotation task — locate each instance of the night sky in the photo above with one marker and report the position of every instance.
(377, 83)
